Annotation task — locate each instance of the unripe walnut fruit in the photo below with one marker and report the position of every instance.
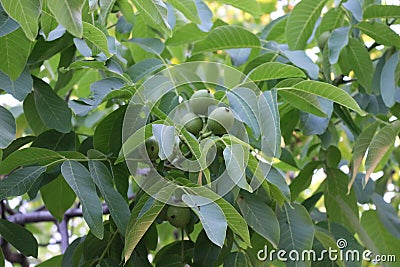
(178, 216)
(192, 123)
(200, 101)
(152, 148)
(220, 120)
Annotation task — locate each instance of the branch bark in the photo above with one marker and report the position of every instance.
(45, 216)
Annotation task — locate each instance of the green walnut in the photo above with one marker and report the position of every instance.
(201, 100)
(178, 216)
(152, 148)
(220, 120)
(192, 123)
(323, 38)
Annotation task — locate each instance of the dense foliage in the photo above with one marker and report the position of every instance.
(199, 132)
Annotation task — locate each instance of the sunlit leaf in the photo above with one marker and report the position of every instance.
(226, 37)
(380, 144)
(301, 22)
(26, 13)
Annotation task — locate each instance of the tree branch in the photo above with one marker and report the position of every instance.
(45, 216)
(11, 256)
(63, 229)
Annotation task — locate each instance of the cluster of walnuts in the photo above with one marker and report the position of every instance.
(219, 121)
(198, 122)
(201, 124)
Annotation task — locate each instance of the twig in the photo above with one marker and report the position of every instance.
(63, 230)
(13, 257)
(46, 216)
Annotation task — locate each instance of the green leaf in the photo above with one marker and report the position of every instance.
(19, 237)
(329, 92)
(188, 8)
(303, 61)
(269, 116)
(275, 31)
(205, 252)
(226, 37)
(188, 33)
(331, 20)
(256, 214)
(15, 51)
(244, 103)
(249, 6)
(8, 127)
(165, 136)
(296, 228)
(236, 259)
(26, 13)
(78, 178)
(144, 68)
(155, 14)
(303, 101)
(275, 70)
(380, 144)
(355, 56)
(303, 179)
(151, 45)
(278, 186)
(211, 217)
(44, 50)
(328, 242)
(338, 231)
(134, 141)
(388, 85)
(338, 39)
(336, 187)
(7, 24)
(47, 21)
(117, 205)
(29, 156)
(235, 157)
(32, 116)
(174, 248)
(381, 11)
(380, 32)
(96, 38)
(127, 10)
(355, 8)
(58, 197)
(386, 243)
(142, 216)
(54, 261)
(51, 108)
(108, 134)
(19, 88)
(69, 14)
(105, 8)
(359, 149)
(56, 141)
(17, 144)
(301, 22)
(235, 221)
(20, 181)
(387, 215)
